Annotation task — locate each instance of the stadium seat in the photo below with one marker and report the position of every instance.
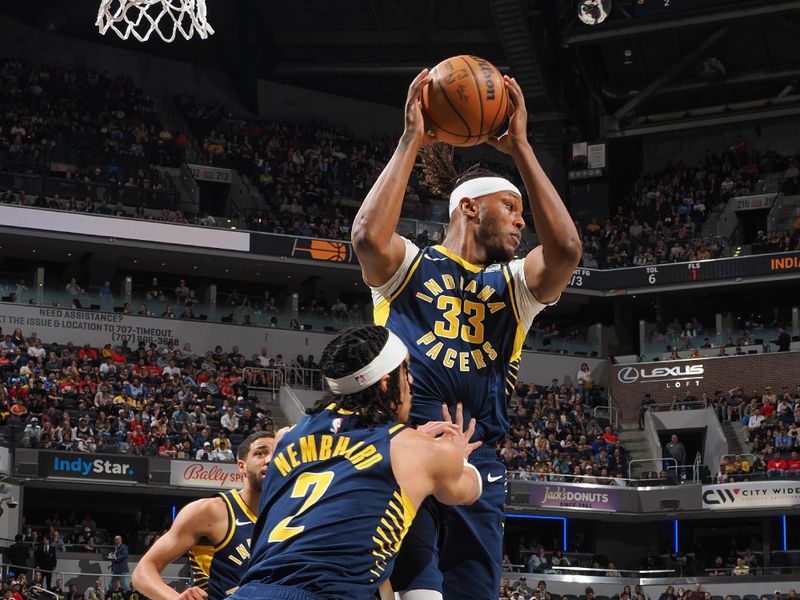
(750, 597)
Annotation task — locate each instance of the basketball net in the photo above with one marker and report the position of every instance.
(167, 18)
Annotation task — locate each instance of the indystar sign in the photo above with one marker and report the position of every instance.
(677, 376)
(93, 468)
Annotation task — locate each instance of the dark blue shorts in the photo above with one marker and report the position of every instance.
(457, 550)
(265, 591)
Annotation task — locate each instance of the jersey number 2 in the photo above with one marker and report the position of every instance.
(310, 486)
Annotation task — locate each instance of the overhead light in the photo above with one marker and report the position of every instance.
(593, 12)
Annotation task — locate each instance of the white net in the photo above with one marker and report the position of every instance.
(141, 18)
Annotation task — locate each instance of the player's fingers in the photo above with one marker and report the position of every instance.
(470, 429)
(418, 78)
(419, 82)
(446, 413)
(435, 428)
(473, 446)
(198, 594)
(460, 416)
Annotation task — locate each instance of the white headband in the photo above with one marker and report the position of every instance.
(481, 186)
(391, 356)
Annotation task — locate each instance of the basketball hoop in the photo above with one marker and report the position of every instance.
(140, 18)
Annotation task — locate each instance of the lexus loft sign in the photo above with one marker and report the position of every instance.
(676, 376)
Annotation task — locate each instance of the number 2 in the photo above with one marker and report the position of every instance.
(320, 483)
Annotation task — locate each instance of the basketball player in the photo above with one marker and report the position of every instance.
(215, 531)
(463, 309)
(346, 481)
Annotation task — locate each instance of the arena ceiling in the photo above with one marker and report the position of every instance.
(650, 58)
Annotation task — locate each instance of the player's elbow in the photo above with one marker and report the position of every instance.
(571, 249)
(137, 577)
(471, 495)
(362, 238)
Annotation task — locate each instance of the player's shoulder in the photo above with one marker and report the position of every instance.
(213, 507)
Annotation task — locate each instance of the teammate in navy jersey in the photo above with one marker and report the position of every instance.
(463, 309)
(215, 531)
(347, 480)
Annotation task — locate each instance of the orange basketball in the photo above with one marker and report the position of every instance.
(466, 102)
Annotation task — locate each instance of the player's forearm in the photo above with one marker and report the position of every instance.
(147, 579)
(376, 220)
(553, 224)
(470, 484)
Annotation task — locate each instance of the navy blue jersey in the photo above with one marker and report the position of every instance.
(217, 569)
(464, 327)
(332, 514)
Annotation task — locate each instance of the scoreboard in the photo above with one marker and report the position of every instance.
(687, 274)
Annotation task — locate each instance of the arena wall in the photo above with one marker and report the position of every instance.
(691, 145)
(630, 382)
(81, 326)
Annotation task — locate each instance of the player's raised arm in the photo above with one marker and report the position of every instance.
(194, 522)
(549, 266)
(379, 249)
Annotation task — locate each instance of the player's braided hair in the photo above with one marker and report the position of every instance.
(439, 174)
(351, 350)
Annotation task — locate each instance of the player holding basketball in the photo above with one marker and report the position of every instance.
(347, 480)
(215, 531)
(463, 309)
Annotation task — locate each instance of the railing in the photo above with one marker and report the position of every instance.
(677, 405)
(176, 582)
(599, 480)
(762, 339)
(660, 463)
(272, 378)
(611, 414)
(615, 572)
(38, 185)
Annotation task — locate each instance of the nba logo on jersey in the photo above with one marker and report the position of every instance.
(336, 425)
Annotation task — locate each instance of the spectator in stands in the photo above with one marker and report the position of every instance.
(95, 591)
(204, 453)
(538, 561)
(585, 383)
(645, 405)
(18, 554)
(45, 559)
(668, 594)
(741, 567)
(777, 466)
(697, 593)
(119, 562)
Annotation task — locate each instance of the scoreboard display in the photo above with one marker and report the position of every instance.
(687, 274)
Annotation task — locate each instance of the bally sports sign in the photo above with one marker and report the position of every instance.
(751, 494)
(213, 475)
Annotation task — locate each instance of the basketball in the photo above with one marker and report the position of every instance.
(466, 102)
